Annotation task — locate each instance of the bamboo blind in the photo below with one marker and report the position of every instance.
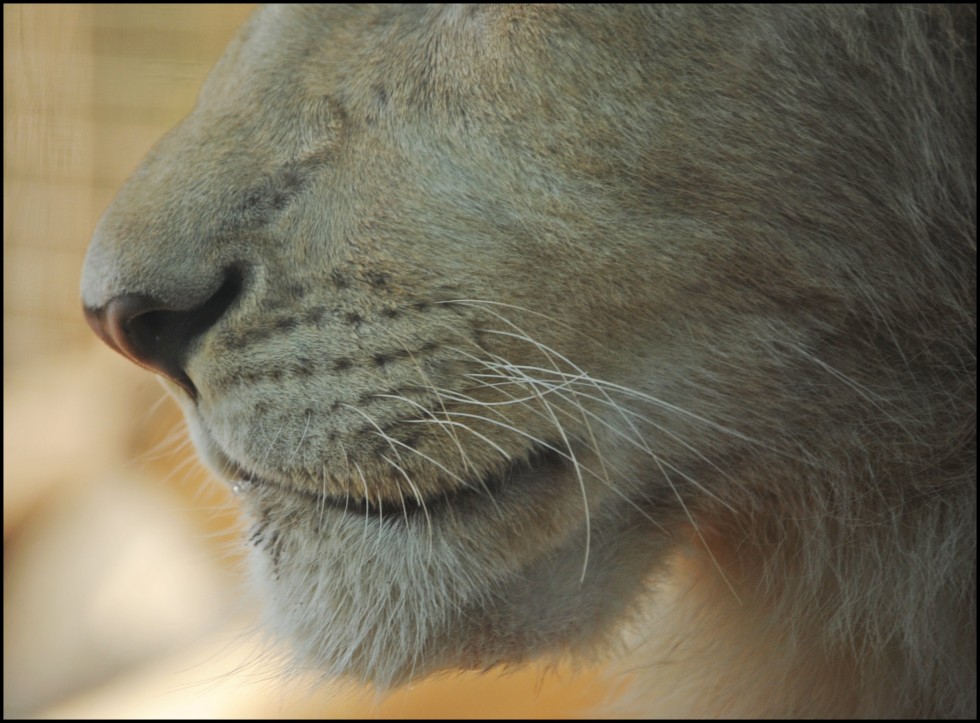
(87, 90)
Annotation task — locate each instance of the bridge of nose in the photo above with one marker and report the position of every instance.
(166, 234)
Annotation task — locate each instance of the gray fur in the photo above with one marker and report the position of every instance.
(715, 265)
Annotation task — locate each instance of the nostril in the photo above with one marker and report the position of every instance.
(157, 335)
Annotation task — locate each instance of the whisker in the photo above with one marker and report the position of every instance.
(429, 458)
(595, 450)
(367, 499)
(401, 470)
(639, 439)
(464, 457)
(661, 464)
(268, 451)
(301, 438)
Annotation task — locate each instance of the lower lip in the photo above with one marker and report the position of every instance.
(244, 482)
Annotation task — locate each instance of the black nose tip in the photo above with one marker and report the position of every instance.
(157, 335)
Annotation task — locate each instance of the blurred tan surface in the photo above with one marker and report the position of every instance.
(122, 563)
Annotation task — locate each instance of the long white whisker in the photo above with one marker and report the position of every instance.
(697, 531)
(463, 483)
(299, 444)
(520, 334)
(550, 353)
(581, 483)
(367, 504)
(638, 439)
(634, 392)
(875, 399)
(595, 450)
(404, 474)
(661, 464)
(268, 451)
(464, 457)
(578, 474)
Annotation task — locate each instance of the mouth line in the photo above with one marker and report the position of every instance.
(477, 492)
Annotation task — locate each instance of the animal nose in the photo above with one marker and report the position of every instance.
(157, 335)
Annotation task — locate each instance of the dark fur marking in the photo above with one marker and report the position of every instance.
(287, 323)
(339, 281)
(315, 316)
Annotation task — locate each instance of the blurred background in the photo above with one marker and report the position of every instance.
(122, 564)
